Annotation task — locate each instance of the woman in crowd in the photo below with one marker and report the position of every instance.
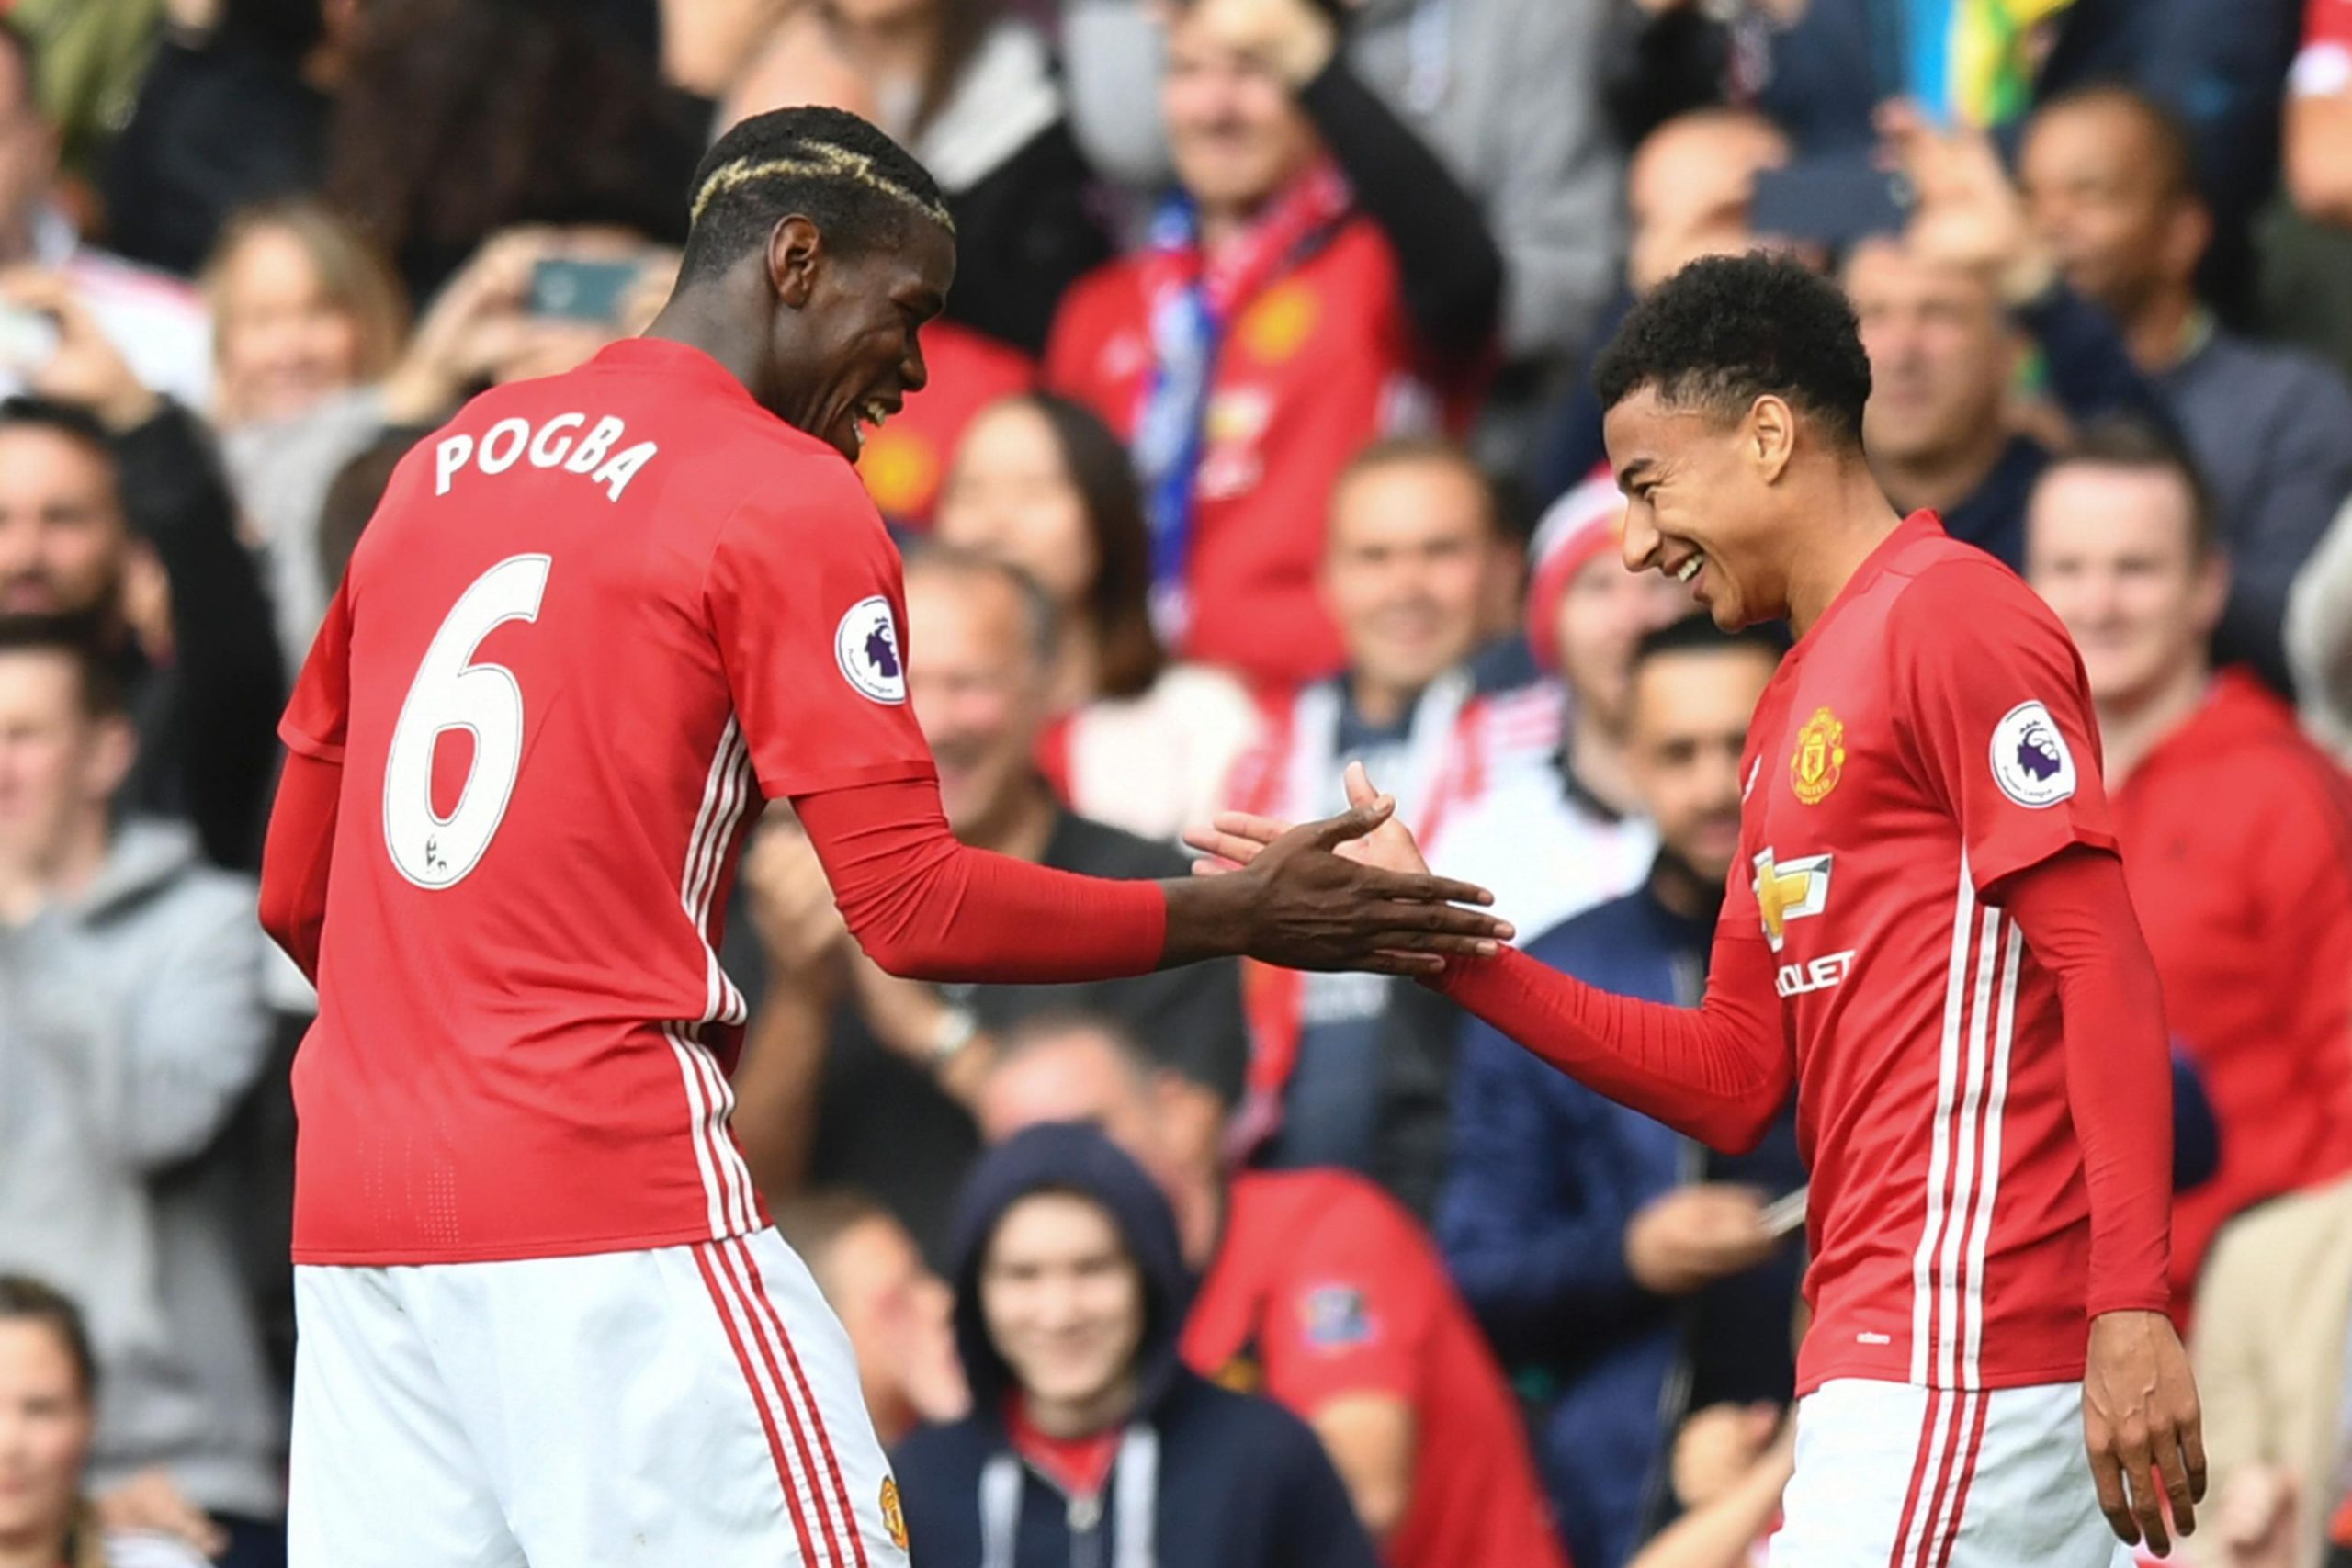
(46, 1413)
(1142, 744)
(306, 318)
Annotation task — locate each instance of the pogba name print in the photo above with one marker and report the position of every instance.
(568, 440)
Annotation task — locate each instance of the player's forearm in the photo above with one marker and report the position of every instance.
(927, 908)
(1717, 1073)
(2076, 913)
(297, 857)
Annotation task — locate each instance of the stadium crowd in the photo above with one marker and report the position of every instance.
(1257, 442)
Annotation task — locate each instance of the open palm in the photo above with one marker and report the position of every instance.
(1234, 839)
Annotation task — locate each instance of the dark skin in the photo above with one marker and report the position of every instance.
(819, 336)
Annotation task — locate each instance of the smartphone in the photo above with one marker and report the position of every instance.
(1833, 200)
(579, 291)
(27, 339)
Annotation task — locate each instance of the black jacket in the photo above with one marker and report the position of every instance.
(1204, 1478)
(207, 720)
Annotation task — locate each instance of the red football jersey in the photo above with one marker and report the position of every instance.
(1929, 736)
(1323, 1287)
(595, 620)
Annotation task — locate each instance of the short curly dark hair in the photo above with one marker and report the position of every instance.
(1727, 329)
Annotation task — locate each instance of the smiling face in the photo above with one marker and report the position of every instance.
(845, 346)
(2112, 550)
(1411, 551)
(979, 692)
(61, 533)
(285, 341)
(1063, 1301)
(1234, 132)
(1011, 496)
(1700, 503)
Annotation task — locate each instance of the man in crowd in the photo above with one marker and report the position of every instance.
(2318, 144)
(895, 1309)
(1618, 1267)
(1318, 280)
(1413, 554)
(1941, 308)
(156, 322)
(2111, 183)
(111, 506)
(131, 1025)
(1316, 1289)
(1089, 1440)
(2236, 830)
(853, 1078)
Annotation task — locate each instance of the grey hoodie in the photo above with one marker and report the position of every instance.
(131, 1023)
(1506, 92)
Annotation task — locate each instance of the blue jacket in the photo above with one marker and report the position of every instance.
(1545, 1177)
(1204, 1478)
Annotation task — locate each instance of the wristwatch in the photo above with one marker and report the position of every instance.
(955, 1029)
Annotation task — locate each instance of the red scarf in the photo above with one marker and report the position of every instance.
(1080, 1466)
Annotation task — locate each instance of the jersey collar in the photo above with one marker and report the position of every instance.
(669, 357)
(1918, 525)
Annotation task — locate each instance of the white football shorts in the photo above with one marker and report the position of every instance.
(1893, 1475)
(691, 1405)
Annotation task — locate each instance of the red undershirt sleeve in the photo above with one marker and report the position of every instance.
(2076, 911)
(927, 908)
(1718, 1072)
(296, 856)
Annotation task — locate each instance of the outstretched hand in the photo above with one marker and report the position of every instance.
(1348, 892)
(1235, 838)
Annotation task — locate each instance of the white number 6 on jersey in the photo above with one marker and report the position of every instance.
(452, 693)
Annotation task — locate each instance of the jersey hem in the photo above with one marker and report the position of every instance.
(2021, 1377)
(514, 1252)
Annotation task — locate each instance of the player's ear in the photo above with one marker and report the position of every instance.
(794, 247)
(1768, 436)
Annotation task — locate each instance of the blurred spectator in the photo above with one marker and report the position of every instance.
(1315, 1289)
(1731, 1464)
(156, 323)
(112, 505)
(2108, 177)
(1318, 279)
(1089, 1430)
(48, 1411)
(1939, 309)
(853, 1078)
(2245, 910)
(1564, 829)
(898, 1314)
(1688, 190)
(971, 93)
(2319, 115)
(456, 118)
(2274, 1317)
(305, 317)
(131, 1026)
(2319, 638)
(1823, 68)
(1414, 550)
(1502, 90)
(232, 110)
(1624, 1273)
(1138, 742)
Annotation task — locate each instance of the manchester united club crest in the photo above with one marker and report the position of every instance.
(893, 1519)
(1820, 757)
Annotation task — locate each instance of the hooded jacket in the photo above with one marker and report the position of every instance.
(131, 1024)
(1204, 1478)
